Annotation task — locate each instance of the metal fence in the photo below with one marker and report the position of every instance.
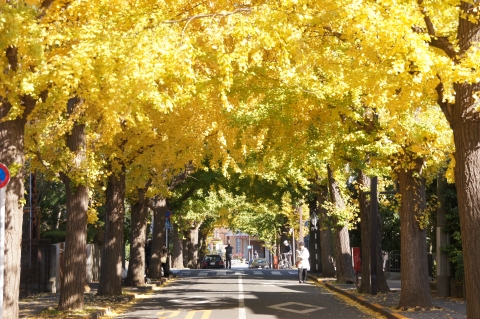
(35, 266)
(391, 262)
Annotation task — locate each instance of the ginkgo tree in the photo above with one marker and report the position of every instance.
(253, 82)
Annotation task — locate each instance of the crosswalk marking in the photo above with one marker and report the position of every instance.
(225, 272)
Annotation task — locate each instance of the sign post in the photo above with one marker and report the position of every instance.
(4, 179)
(168, 226)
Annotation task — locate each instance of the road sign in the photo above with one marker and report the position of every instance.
(4, 175)
(167, 224)
(168, 214)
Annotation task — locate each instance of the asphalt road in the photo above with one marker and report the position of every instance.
(241, 293)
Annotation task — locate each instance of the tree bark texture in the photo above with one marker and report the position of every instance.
(75, 254)
(111, 270)
(464, 120)
(415, 288)
(365, 229)
(326, 237)
(158, 238)
(343, 255)
(138, 236)
(202, 243)
(12, 153)
(177, 261)
(193, 247)
(467, 181)
(12, 133)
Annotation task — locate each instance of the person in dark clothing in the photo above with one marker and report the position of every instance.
(148, 254)
(288, 253)
(229, 253)
(164, 262)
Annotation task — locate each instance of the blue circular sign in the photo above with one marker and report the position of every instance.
(168, 214)
(4, 175)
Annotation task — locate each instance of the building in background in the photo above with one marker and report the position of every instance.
(239, 241)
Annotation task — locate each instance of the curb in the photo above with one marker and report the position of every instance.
(103, 312)
(364, 302)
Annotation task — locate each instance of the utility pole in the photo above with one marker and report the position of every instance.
(300, 213)
(373, 235)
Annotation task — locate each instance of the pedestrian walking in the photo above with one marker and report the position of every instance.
(229, 253)
(303, 264)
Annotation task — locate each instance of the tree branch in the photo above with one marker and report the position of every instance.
(441, 43)
(444, 105)
(180, 178)
(201, 16)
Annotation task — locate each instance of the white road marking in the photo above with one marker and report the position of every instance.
(189, 301)
(241, 300)
(284, 307)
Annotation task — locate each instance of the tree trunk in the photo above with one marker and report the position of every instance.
(75, 254)
(415, 288)
(12, 153)
(464, 120)
(193, 247)
(138, 236)
(202, 244)
(467, 181)
(158, 238)
(177, 261)
(111, 270)
(326, 237)
(12, 133)
(365, 228)
(343, 255)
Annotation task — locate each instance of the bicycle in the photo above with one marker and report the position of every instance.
(285, 261)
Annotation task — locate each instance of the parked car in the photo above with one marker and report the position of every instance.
(213, 261)
(259, 263)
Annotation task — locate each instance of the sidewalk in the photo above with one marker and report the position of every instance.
(99, 305)
(386, 303)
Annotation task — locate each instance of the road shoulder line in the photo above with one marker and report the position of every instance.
(364, 302)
